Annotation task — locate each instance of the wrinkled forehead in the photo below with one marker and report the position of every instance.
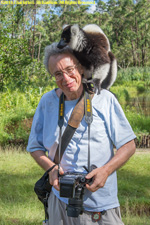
(61, 58)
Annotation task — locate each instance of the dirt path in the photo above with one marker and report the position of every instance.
(142, 150)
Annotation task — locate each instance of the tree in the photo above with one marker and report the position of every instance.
(24, 36)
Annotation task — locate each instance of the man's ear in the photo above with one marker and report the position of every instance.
(80, 69)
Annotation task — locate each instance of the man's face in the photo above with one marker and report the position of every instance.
(70, 85)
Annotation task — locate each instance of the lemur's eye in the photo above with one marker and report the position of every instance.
(64, 39)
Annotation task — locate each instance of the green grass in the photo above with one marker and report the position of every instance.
(20, 206)
(18, 203)
(134, 182)
(134, 190)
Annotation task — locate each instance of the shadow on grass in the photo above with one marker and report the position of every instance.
(18, 188)
(16, 221)
(18, 202)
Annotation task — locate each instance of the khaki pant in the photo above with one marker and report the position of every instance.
(58, 215)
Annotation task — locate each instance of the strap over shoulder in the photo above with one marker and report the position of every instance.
(73, 123)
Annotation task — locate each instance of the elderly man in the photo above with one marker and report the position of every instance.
(109, 127)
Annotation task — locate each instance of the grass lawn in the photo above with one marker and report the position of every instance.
(134, 190)
(20, 206)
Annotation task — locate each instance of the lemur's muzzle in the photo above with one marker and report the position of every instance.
(61, 44)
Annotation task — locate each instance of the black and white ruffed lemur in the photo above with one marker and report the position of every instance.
(92, 49)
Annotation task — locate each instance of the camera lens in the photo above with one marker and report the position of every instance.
(74, 207)
(83, 179)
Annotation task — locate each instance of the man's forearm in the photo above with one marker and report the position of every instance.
(121, 157)
(41, 158)
(101, 174)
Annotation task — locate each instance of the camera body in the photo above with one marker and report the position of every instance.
(70, 183)
(72, 186)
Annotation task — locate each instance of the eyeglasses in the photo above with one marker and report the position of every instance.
(69, 71)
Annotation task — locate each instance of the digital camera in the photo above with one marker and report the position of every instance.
(72, 186)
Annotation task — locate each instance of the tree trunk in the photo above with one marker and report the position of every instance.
(137, 41)
(143, 50)
(23, 21)
(34, 29)
(12, 34)
(39, 47)
(133, 54)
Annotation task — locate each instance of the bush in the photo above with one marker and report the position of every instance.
(16, 112)
(133, 75)
(140, 88)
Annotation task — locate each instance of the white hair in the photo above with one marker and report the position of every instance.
(52, 50)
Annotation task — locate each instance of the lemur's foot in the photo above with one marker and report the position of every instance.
(88, 85)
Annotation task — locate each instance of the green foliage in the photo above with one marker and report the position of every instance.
(16, 111)
(134, 98)
(130, 31)
(122, 94)
(133, 75)
(141, 88)
(24, 36)
(139, 122)
(17, 107)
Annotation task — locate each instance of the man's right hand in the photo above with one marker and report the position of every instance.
(53, 177)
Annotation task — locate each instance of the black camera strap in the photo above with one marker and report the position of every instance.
(60, 123)
(73, 123)
(83, 106)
